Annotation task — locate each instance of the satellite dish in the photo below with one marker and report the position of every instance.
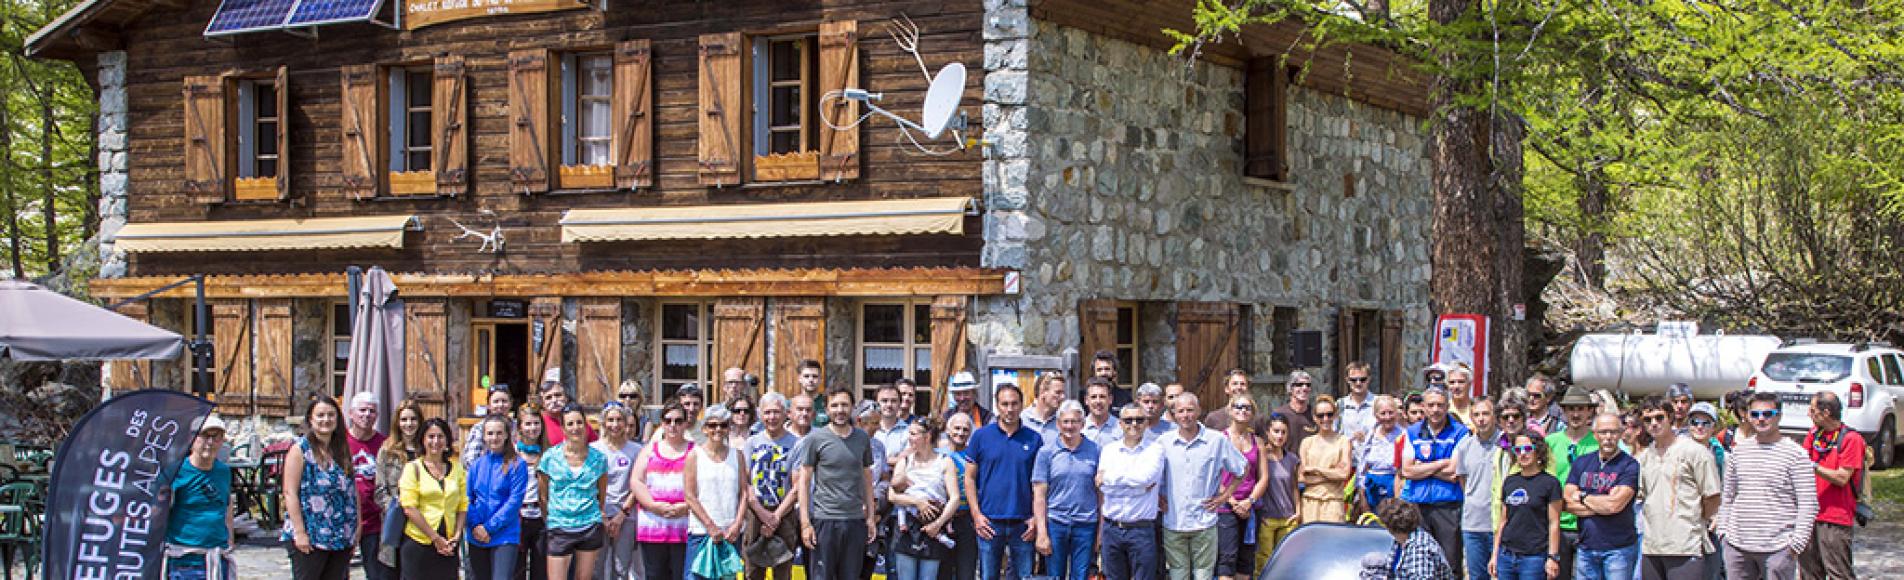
(942, 99)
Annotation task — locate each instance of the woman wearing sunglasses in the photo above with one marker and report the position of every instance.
(1326, 467)
(659, 485)
(1527, 543)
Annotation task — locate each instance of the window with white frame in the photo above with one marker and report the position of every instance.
(895, 342)
(258, 118)
(685, 340)
(588, 84)
(410, 121)
(338, 345)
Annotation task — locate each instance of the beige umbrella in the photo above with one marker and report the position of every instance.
(376, 346)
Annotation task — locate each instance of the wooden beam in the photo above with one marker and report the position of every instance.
(698, 283)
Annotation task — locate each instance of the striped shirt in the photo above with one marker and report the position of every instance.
(1770, 498)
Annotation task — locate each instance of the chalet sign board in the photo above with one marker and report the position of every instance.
(421, 13)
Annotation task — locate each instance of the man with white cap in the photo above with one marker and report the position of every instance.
(555, 398)
(964, 389)
(198, 529)
(364, 441)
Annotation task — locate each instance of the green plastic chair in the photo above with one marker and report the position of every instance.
(21, 507)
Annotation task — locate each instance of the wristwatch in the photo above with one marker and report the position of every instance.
(1554, 557)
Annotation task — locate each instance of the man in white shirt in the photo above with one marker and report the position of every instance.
(1357, 410)
(1130, 474)
(1195, 459)
(1100, 426)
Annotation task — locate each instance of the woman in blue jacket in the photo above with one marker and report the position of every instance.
(498, 480)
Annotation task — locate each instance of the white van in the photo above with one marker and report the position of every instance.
(1867, 377)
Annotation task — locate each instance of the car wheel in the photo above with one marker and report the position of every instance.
(1885, 446)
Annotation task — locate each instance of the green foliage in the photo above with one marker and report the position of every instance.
(38, 156)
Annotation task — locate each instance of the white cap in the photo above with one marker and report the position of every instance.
(362, 399)
(211, 422)
(553, 375)
(963, 381)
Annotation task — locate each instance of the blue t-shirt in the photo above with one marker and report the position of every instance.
(572, 497)
(1004, 470)
(1425, 447)
(199, 502)
(1070, 478)
(1596, 477)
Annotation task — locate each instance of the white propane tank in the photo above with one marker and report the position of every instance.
(1645, 364)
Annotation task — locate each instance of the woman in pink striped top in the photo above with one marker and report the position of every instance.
(658, 485)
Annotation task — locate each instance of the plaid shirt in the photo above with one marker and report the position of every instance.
(1420, 559)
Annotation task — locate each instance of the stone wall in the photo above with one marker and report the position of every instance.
(1114, 171)
(111, 138)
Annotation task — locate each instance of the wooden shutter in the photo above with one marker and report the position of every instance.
(1266, 121)
(1392, 359)
(839, 70)
(1346, 343)
(231, 347)
(721, 112)
(740, 335)
(530, 147)
(362, 131)
(1207, 346)
(273, 386)
(545, 336)
(634, 125)
(948, 345)
(425, 369)
(284, 136)
(206, 147)
(799, 334)
(1097, 330)
(598, 350)
(124, 375)
(449, 112)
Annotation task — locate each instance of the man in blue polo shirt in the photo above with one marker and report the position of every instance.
(1428, 471)
(1064, 496)
(998, 483)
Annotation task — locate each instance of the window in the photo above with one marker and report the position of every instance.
(258, 118)
(588, 83)
(1891, 373)
(686, 338)
(410, 119)
(339, 344)
(785, 130)
(1266, 120)
(1281, 350)
(1126, 348)
(895, 342)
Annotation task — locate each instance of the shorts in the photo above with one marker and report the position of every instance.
(567, 542)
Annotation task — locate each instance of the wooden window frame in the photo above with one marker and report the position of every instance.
(1266, 141)
(400, 178)
(1135, 346)
(573, 175)
(658, 391)
(336, 375)
(250, 125)
(910, 309)
(764, 165)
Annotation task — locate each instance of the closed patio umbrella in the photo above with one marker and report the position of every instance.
(37, 324)
(376, 346)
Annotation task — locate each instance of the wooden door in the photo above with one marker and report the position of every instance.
(425, 374)
(1207, 347)
(598, 350)
(799, 334)
(740, 336)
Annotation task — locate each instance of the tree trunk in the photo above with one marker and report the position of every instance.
(1589, 249)
(1477, 232)
(49, 206)
(15, 245)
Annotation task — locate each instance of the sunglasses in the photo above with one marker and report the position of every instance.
(629, 395)
(743, 409)
(1763, 413)
(715, 425)
(1651, 419)
(1701, 422)
(1537, 394)
(1132, 420)
(1294, 385)
(1510, 416)
(1358, 379)
(1325, 415)
(1243, 407)
(1523, 449)
(672, 420)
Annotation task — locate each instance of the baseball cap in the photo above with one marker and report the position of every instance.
(211, 423)
(553, 375)
(1706, 408)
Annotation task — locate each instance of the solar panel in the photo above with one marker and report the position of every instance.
(235, 16)
(314, 12)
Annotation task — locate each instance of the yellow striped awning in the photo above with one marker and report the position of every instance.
(942, 215)
(381, 231)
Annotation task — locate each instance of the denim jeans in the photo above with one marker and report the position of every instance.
(1513, 566)
(1477, 545)
(494, 563)
(1614, 564)
(1007, 535)
(1070, 550)
(906, 567)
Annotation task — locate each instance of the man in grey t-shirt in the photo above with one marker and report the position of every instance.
(1474, 465)
(836, 515)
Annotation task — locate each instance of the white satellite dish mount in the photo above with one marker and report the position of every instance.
(940, 113)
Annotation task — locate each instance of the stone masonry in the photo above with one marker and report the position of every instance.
(1114, 171)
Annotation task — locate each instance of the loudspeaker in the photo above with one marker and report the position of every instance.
(1305, 348)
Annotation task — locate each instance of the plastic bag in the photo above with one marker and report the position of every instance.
(716, 560)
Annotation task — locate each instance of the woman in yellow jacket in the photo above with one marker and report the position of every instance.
(432, 493)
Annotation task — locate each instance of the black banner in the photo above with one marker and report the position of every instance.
(111, 486)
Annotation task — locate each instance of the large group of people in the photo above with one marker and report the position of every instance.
(1530, 484)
